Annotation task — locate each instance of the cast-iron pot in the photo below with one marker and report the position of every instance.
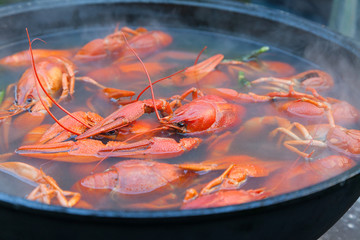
(304, 214)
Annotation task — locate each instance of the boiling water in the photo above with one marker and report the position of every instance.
(186, 41)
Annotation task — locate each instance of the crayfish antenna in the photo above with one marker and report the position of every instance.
(196, 61)
(100, 161)
(147, 74)
(7, 114)
(49, 96)
(198, 56)
(159, 80)
(152, 94)
(180, 71)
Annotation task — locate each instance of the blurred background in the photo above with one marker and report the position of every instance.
(341, 16)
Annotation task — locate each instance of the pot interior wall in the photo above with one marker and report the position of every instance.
(296, 36)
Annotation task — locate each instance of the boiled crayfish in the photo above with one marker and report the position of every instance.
(56, 76)
(46, 189)
(113, 46)
(161, 168)
(23, 59)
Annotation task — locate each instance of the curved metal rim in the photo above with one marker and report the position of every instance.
(22, 204)
(19, 203)
(229, 5)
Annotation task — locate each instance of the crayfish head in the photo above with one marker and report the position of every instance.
(25, 103)
(179, 127)
(344, 140)
(25, 91)
(24, 98)
(193, 118)
(317, 79)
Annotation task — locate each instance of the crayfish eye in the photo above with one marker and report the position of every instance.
(181, 124)
(112, 132)
(309, 75)
(29, 100)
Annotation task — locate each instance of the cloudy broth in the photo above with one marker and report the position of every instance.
(182, 53)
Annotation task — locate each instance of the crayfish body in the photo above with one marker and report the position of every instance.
(205, 115)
